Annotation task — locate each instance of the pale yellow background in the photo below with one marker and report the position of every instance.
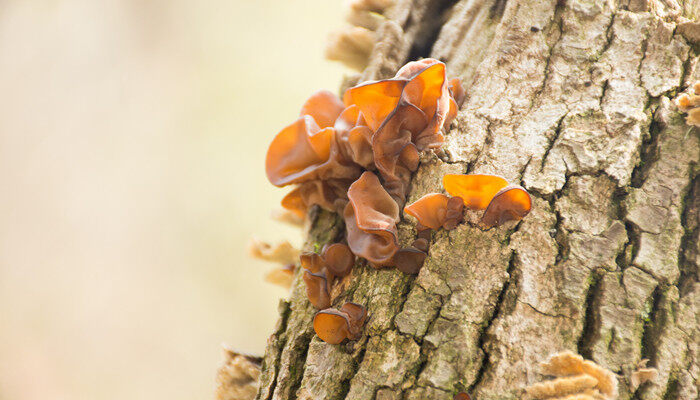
(132, 140)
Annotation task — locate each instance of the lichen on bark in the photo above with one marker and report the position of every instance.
(571, 99)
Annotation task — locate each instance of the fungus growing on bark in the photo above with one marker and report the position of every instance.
(304, 154)
(317, 289)
(370, 220)
(409, 260)
(334, 326)
(502, 203)
(509, 204)
(338, 259)
(690, 103)
(436, 210)
(571, 366)
(561, 387)
(476, 191)
(462, 396)
(407, 114)
(421, 244)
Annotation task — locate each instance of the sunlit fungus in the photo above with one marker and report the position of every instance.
(436, 210)
(357, 156)
(511, 203)
(476, 191)
(334, 326)
(324, 107)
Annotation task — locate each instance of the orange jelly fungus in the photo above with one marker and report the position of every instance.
(436, 210)
(475, 190)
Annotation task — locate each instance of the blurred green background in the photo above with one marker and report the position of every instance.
(132, 141)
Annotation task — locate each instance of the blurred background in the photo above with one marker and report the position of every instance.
(132, 141)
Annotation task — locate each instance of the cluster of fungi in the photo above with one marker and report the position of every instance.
(356, 156)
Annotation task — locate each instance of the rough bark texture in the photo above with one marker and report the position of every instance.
(572, 99)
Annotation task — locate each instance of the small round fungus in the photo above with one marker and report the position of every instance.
(510, 204)
(475, 190)
(334, 326)
(409, 260)
(331, 326)
(421, 244)
(338, 258)
(462, 396)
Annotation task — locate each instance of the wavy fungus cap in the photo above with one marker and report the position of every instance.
(376, 99)
(510, 204)
(475, 190)
(428, 91)
(370, 219)
(302, 152)
(395, 155)
(436, 210)
(324, 107)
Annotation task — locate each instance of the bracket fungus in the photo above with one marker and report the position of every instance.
(643, 374)
(576, 377)
(334, 326)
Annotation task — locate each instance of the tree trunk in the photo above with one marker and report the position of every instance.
(573, 100)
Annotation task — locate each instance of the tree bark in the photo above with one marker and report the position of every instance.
(572, 99)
